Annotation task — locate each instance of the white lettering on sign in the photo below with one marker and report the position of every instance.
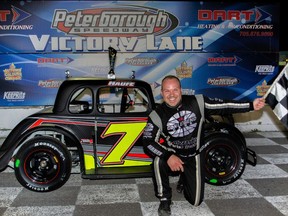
(123, 44)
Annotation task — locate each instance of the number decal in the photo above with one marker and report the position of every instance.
(130, 132)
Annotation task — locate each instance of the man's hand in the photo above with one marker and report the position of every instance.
(175, 163)
(258, 103)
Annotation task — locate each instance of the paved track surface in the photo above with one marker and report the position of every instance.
(262, 190)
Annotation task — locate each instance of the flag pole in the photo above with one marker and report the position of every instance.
(276, 80)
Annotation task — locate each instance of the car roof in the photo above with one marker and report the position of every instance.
(70, 84)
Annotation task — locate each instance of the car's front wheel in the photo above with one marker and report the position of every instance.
(42, 164)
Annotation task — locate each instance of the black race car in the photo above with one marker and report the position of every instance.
(97, 124)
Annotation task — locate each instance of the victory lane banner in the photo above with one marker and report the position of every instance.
(215, 48)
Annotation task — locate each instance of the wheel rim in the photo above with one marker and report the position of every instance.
(42, 166)
(221, 160)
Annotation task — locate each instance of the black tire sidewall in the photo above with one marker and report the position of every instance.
(45, 144)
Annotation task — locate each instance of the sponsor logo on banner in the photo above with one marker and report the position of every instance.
(223, 81)
(49, 83)
(184, 71)
(54, 60)
(125, 21)
(264, 69)
(255, 15)
(188, 91)
(262, 89)
(223, 61)
(141, 61)
(99, 71)
(249, 23)
(13, 73)
(14, 96)
(9, 19)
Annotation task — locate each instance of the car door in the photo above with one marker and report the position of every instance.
(122, 116)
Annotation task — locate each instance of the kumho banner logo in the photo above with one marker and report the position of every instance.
(128, 22)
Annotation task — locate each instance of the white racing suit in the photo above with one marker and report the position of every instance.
(182, 127)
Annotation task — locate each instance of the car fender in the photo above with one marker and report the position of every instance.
(12, 144)
(223, 127)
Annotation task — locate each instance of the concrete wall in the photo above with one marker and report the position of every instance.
(263, 120)
(10, 117)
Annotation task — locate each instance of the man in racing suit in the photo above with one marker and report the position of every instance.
(182, 128)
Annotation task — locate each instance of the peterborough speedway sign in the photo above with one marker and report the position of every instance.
(97, 29)
(215, 48)
(135, 28)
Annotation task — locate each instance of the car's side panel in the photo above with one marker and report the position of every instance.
(118, 142)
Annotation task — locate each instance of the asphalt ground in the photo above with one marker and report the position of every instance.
(262, 190)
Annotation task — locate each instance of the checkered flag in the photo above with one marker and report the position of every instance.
(276, 96)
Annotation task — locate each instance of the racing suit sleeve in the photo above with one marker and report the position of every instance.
(154, 143)
(218, 106)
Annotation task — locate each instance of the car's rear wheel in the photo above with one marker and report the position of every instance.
(42, 164)
(225, 158)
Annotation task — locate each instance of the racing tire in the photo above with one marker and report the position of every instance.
(225, 158)
(42, 164)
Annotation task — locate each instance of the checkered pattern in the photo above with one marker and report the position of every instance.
(262, 190)
(277, 97)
